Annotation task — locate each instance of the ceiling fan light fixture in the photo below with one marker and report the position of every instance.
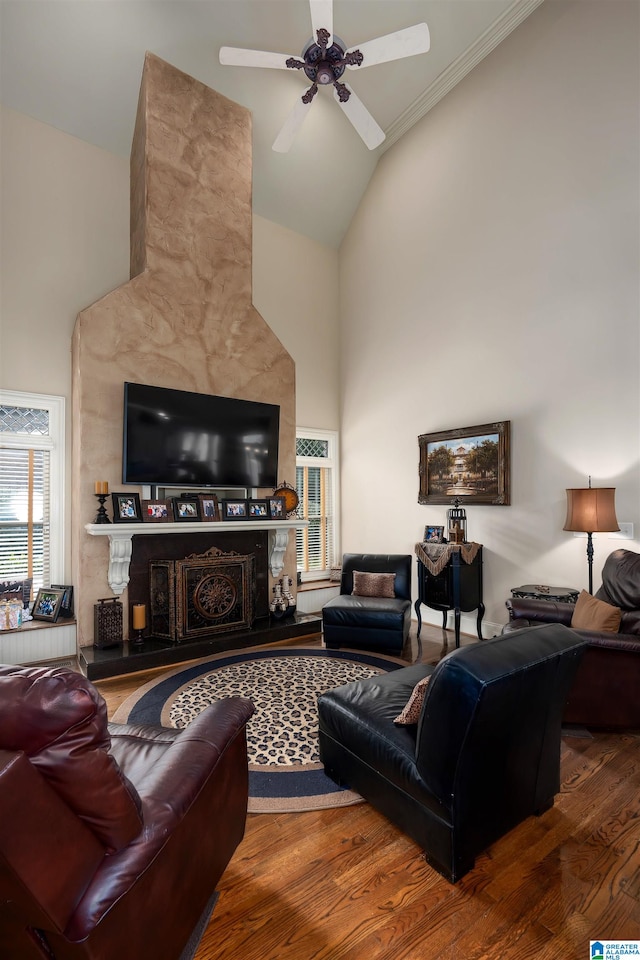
(324, 73)
(324, 60)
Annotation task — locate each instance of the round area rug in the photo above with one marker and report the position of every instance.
(285, 773)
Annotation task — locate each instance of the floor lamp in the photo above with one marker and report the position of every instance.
(591, 510)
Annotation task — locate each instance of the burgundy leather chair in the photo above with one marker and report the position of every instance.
(605, 693)
(112, 837)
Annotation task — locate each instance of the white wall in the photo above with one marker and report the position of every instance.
(492, 274)
(295, 288)
(65, 228)
(65, 244)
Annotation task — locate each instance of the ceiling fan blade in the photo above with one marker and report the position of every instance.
(361, 119)
(237, 57)
(292, 124)
(394, 46)
(321, 16)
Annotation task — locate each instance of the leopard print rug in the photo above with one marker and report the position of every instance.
(285, 773)
(284, 690)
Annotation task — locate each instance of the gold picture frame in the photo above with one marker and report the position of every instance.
(469, 463)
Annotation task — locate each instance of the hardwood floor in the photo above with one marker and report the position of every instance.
(345, 884)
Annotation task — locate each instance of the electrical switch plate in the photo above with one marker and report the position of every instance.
(625, 532)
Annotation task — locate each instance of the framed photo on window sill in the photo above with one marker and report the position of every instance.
(66, 607)
(47, 604)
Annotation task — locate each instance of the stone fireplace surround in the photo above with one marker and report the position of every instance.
(185, 320)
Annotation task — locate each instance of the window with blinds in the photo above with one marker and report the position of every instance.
(30, 444)
(316, 480)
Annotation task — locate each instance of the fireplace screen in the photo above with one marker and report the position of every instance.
(204, 594)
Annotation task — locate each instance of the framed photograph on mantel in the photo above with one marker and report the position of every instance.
(277, 508)
(258, 510)
(235, 510)
(470, 463)
(156, 511)
(186, 509)
(209, 509)
(126, 508)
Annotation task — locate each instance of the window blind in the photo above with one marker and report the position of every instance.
(314, 544)
(25, 514)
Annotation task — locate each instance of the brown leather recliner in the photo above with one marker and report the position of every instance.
(606, 691)
(112, 837)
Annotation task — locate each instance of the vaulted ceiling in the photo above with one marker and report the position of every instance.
(76, 65)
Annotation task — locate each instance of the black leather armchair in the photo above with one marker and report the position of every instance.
(484, 755)
(370, 622)
(112, 837)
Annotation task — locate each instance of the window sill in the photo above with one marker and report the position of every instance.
(316, 585)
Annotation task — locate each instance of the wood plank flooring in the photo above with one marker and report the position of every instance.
(345, 884)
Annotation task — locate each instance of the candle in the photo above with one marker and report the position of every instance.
(139, 616)
(101, 487)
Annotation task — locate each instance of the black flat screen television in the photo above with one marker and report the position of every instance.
(174, 438)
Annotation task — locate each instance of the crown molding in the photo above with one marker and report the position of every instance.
(464, 64)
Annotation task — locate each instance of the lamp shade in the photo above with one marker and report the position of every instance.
(591, 510)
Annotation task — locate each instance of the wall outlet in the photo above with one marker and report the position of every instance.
(625, 532)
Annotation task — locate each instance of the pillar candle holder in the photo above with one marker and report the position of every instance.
(138, 622)
(101, 515)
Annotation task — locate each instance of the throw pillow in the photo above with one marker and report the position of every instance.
(413, 707)
(592, 614)
(373, 584)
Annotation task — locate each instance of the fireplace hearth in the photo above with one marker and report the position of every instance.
(132, 657)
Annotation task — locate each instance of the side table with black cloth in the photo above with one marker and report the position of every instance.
(606, 692)
(370, 622)
(484, 754)
(450, 578)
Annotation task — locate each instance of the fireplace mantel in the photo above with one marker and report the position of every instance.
(121, 537)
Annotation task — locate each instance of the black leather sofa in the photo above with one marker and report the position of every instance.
(484, 755)
(370, 622)
(606, 692)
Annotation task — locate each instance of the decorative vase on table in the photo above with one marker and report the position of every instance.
(283, 603)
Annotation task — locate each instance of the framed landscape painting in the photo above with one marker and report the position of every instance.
(470, 463)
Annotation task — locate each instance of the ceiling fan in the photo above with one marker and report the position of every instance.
(324, 60)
